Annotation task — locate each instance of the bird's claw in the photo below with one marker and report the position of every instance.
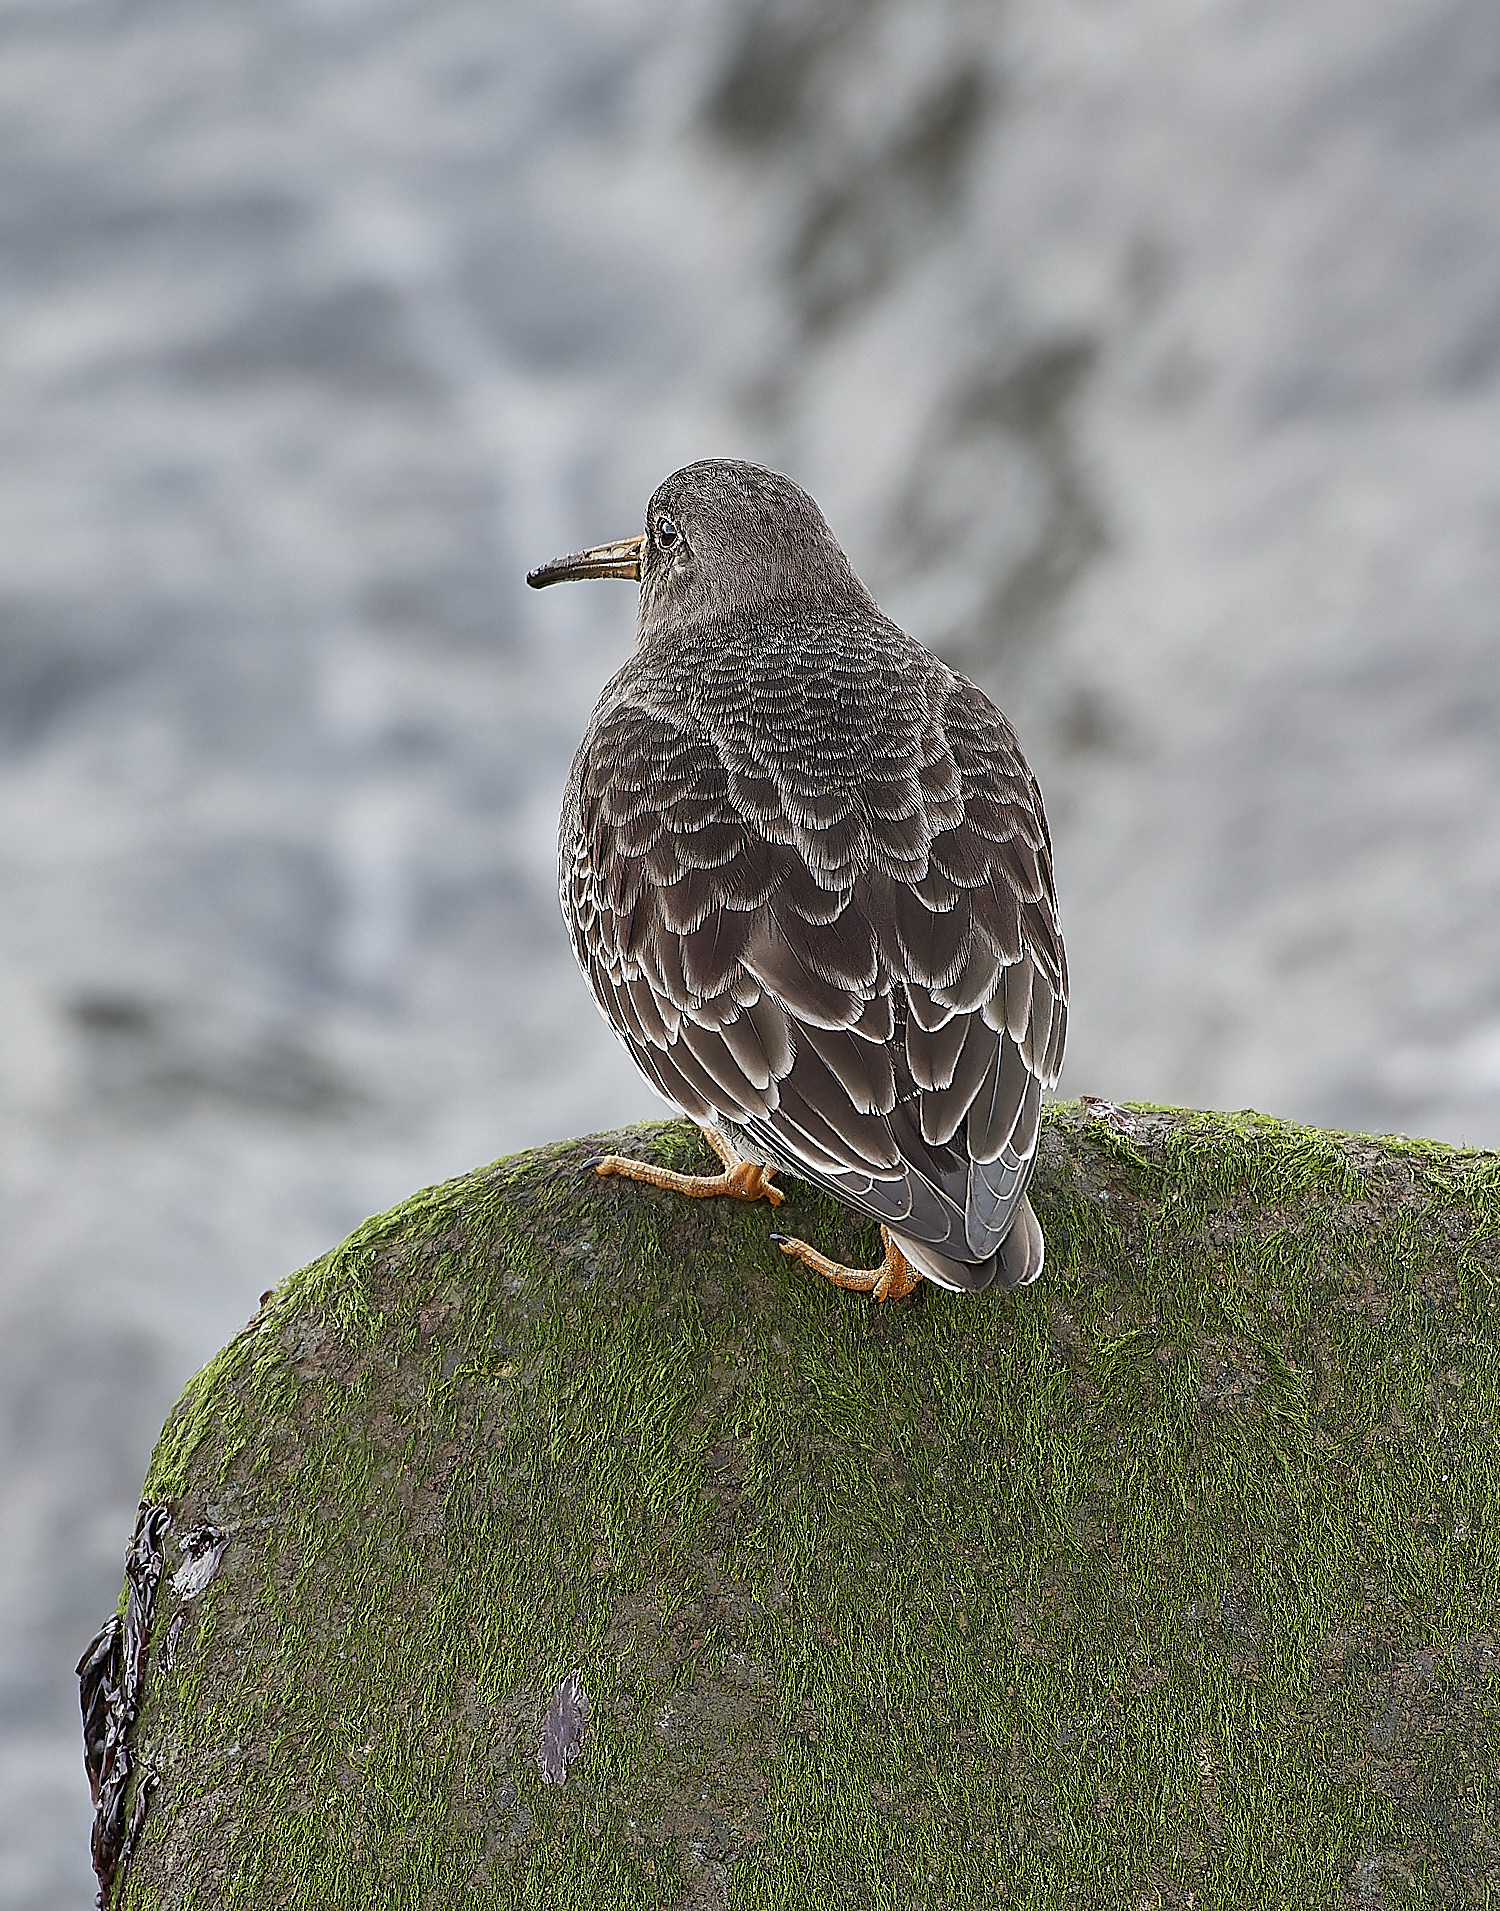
(745, 1180)
(891, 1281)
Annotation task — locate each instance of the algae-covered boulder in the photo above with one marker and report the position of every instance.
(1171, 1581)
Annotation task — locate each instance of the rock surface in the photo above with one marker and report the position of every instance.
(1173, 1578)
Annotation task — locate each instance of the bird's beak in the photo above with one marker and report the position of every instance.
(620, 559)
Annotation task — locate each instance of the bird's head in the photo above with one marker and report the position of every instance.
(722, 540)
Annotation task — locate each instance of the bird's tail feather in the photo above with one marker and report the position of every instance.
(1019, 1260)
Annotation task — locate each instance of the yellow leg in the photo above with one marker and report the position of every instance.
(891, 1281)
(745, 1180)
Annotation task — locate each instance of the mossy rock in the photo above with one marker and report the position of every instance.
(1171, 1581)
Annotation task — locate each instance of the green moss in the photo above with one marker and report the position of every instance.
(1172, 1580)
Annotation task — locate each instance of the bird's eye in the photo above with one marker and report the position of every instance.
(667, 534)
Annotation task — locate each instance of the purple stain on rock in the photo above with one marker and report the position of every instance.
(562, 1729)
(202, 1550)
(174, 1633)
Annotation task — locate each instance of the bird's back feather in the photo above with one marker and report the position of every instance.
(808, 876)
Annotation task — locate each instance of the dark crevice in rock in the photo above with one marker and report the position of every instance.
(110, 1676)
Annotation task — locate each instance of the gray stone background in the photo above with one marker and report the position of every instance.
(1144, 354)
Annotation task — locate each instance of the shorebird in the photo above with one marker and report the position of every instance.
(808, 878)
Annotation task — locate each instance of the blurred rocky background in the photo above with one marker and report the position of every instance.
(1146, 357)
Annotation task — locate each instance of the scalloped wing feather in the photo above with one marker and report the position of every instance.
(867, 991)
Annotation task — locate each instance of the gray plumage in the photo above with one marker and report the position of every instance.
(807, 873)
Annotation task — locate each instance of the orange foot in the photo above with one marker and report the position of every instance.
(745, 1180)
(891, 1281)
